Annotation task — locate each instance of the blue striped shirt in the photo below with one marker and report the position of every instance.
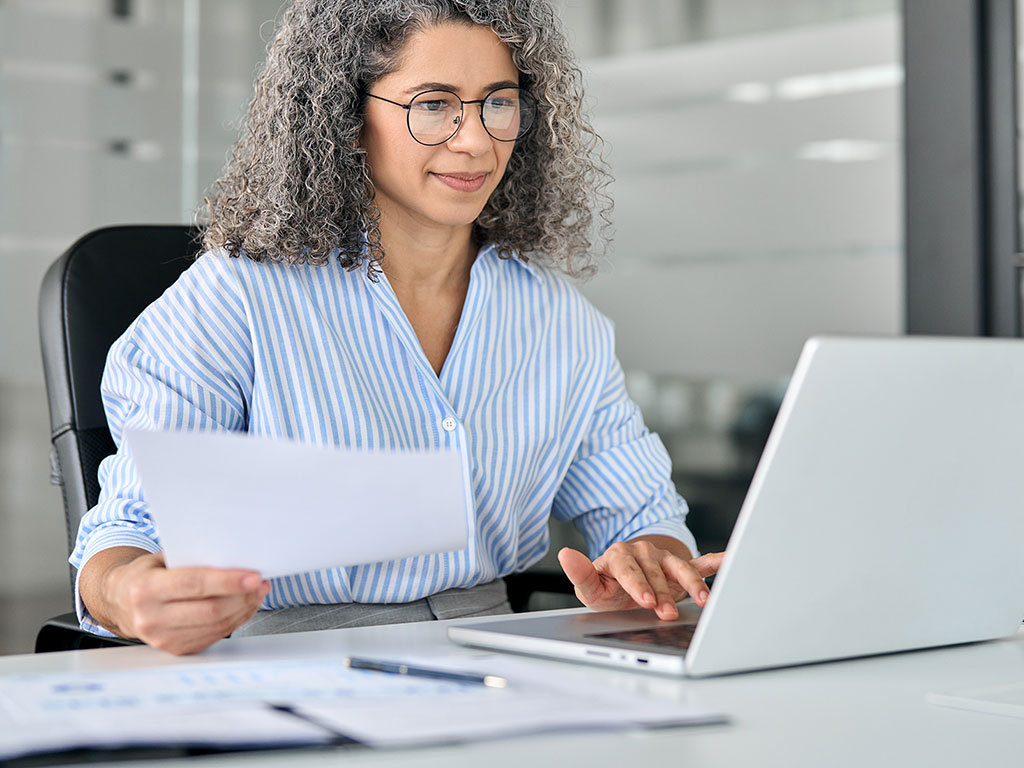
(327, 356)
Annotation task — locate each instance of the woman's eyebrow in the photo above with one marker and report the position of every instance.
(454, 88)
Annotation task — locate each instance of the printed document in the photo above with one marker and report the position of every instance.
(229, 500)
(310, 701)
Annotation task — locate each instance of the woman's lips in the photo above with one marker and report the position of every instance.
(462, 182)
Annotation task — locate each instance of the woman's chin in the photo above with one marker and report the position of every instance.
(456, 218)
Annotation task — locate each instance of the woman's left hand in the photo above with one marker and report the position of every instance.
(639, 574)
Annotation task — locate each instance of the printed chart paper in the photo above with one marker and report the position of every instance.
(239, 703)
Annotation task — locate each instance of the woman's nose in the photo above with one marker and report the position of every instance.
(471, 135)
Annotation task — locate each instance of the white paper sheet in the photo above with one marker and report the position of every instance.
(234, 501)
(241, 725)
(228, 703)
(187, 704)
(536, 700)
(36, 698)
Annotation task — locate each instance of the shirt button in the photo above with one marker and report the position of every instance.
(449, 424)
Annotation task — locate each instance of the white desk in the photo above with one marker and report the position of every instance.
(861, 713)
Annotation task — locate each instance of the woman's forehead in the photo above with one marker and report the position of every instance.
(465, 56)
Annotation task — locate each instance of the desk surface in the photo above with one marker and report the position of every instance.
(851, 713)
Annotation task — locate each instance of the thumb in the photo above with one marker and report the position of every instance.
(580, 570)
(708, 565)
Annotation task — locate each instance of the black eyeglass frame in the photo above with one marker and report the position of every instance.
(462, 112)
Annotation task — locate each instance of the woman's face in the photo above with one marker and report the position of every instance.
(445, 185)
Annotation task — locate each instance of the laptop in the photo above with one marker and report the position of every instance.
(886, 514)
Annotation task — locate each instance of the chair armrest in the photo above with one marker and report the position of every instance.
(521, 586)
(63, 633)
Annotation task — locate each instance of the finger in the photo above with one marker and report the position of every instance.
(621, 565)
(189, 626)
(199, 583)
(708, 565)
(251, 602)
(237, 619)
(189, 615)
(255, 605)
(687, 576)
(198, 638)
(194, 638)
(188, 641)
(253, 609)
(661, 600)
(648, 557)
(256, 598)
(581, 573)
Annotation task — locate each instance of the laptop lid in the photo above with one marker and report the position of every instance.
(884, 515)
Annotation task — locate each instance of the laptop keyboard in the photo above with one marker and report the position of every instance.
(671, 636)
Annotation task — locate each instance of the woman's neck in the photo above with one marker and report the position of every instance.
(421, 258)
(428, 268)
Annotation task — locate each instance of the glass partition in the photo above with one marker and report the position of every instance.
(111, 112)
(756, 148)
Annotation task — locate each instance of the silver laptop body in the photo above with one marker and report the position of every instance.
(886, 514)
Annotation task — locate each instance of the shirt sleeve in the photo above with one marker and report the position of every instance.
(619, 485)
(182, 365)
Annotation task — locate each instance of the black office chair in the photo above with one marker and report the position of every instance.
(89, 296)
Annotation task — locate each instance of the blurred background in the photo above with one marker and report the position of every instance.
(758, 150)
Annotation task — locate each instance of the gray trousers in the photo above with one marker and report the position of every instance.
(489, 599)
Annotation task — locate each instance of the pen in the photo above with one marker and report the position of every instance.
(397, 668)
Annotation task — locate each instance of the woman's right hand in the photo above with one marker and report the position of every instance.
(182, 610)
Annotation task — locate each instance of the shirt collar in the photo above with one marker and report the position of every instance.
(491, 251)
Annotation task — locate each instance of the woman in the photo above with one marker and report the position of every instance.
(381, 273)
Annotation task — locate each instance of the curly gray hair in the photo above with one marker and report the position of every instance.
(297, 186)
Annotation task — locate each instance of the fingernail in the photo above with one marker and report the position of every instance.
(648, 598)
(668, 608)
(251, 581)
(703, 596)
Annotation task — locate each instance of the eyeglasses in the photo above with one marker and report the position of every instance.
(434, 117)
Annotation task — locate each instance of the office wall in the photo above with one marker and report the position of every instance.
(110, 112)
(756, 148)
(758, 202)
(758, 196)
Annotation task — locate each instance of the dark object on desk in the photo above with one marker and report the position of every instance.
(154, 753)
(89, 296)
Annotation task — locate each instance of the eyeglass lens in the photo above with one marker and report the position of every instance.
(507, 115)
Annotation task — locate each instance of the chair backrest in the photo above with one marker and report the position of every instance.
(89, 296)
